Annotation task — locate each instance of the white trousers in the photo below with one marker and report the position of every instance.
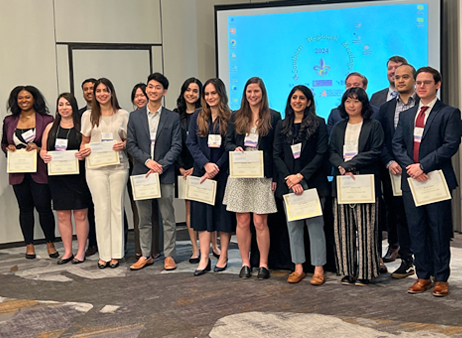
(107, 187)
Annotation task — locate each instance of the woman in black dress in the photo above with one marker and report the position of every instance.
(69, 193)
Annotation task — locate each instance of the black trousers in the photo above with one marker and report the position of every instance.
(29, 195)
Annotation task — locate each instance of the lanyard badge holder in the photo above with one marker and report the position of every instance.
(29, 136)
(214, 141)
(296, 150)
(251, 140)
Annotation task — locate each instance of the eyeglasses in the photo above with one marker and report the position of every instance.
(425, 83)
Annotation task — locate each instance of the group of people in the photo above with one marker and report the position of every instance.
(411, 134)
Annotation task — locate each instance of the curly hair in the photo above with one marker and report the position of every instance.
(39, 106)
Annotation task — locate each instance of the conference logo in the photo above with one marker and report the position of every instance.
(322, 68)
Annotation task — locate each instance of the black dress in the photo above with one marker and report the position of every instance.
(69, 192)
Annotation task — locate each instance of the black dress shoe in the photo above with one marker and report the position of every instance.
(77, 261)
(263, 273)
(65, 260)
(91, 251)
(54, 255)
(217, 256)
(348, 280)
(219, 269)
(103, 266)
(201, 272)
(194, 260)
(30, 256)
(245, 272)
(114, 265)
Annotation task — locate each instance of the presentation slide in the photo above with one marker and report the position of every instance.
(318, 46)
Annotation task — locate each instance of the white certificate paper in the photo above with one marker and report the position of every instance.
(181, 188)
(102, 154)
(358, 190)
(22, 161)
(63, 163)
(145, 188)
(433, 190)
(306, 205)
(247, 164)
(205, 192)
(396, 184)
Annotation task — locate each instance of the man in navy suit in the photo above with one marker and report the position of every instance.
(398, 232)
(426, 138)
(87, 89)
(385, 95)
(354, 79)
(154, 141)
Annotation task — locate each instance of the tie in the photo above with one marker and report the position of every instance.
(419, 123)
(394, 94)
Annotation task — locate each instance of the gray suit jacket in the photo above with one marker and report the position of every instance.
(166, 149)
(379, 98)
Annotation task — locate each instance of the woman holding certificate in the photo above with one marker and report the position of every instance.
(300, 149)
(22, 135)
(104, 133)
(355, 146)
(251, 128)
(69, 192)
(205, 141)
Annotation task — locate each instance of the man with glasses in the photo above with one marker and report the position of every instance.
(426, 138)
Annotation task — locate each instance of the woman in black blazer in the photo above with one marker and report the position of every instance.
(251, 128)
(300, 149)
(355, 147)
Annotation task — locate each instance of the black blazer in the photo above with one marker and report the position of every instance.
(265, 143)
(367, 161)
(379, 98)
(166, 149)
(387, 119)
(440, 141)
(312, 159)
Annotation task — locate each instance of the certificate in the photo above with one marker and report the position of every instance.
(396, 184)
(306, 205)
(22, 161)
(247, 164)
(204, 192)
(358, 190)
(433, 190)
(63, 163)
(181, 188)
(102, 154)
(145, 188)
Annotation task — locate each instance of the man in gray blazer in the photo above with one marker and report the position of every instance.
(154, 141)
(385, 95)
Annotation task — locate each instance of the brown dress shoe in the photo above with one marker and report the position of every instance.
(441, 289)
(294, 277)
(420, 286)
(391, 255)
(317, 280)
(141, 263)
(169, 263)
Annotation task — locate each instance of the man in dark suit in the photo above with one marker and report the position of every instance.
(354, 79)
(398, 231)
(154, 141)
(426, 138)
(87, 89)
(385, 95)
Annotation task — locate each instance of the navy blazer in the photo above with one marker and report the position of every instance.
(387, 119)
(265, 143)
(440, 141)
(379, 98)
(166, 149)
(334, 117)
(367, 161)
(312, 159)
(199, 149)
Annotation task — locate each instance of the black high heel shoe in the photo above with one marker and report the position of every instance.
(217, 256)
(201, 272)
(219, 269)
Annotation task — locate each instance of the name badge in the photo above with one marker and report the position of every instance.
(349, 151)
(251, 140)
(296, 150)
(105, 137)
(418, 132)
(214, 141)
(29, 135)
(61, 144)
(153, 138)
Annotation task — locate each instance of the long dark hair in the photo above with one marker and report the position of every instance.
(95, 107)
(361, 95)
(309, 122)
(244, 114)
(224, 113)
(75, 116)
(39, 106)
(181, 102)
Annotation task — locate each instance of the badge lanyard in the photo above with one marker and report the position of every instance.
(60, 143)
